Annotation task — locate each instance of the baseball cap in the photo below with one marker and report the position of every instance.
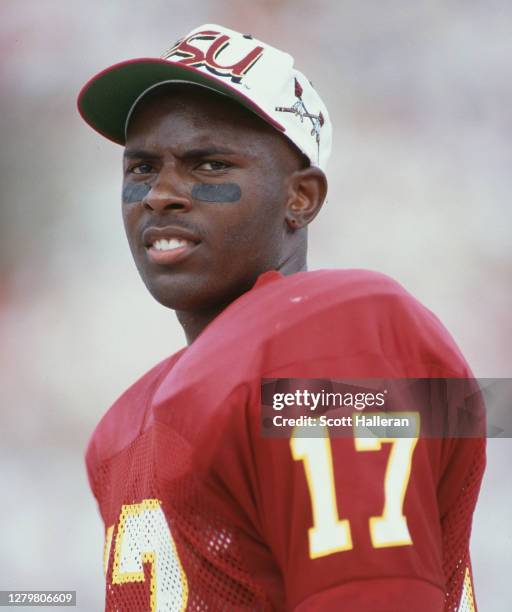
(258, 76)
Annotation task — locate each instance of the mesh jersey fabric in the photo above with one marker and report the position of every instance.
(202, 512)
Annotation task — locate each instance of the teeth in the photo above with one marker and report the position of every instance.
(168, 245)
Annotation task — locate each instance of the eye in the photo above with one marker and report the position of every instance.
(211, 165)
(142, 168)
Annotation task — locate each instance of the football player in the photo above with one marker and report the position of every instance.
(225, 148)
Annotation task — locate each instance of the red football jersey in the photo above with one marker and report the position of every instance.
(203, 512)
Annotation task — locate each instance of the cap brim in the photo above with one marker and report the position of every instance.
(106, 99)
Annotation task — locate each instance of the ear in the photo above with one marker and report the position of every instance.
(307, 191)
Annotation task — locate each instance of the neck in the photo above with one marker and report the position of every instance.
(193, 323)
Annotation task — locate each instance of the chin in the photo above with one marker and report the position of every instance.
(195, 294)
(173, 298)
(180, 293)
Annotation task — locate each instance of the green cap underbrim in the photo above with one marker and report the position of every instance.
(105, 101)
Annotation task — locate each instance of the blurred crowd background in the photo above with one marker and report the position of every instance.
(420, 180)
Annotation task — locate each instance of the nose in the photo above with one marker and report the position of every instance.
(167, 193)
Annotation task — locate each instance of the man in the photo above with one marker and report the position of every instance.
(225, 149)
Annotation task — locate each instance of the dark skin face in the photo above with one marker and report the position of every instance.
(201, 169)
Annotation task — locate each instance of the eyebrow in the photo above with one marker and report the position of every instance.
(190, 154)
(206, 152)
(138, 153)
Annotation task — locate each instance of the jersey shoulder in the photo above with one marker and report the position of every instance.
(124, 420)
(347, 313)
(278, 303)
(322, 324)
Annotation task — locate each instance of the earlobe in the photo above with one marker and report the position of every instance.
(308, 188)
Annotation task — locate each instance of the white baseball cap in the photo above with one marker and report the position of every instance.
(258, 76)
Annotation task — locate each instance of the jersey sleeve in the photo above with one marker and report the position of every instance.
(368, 525)
(354, 523)
(312, 502)
(382, 594)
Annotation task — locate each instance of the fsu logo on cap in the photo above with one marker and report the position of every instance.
(210, 57)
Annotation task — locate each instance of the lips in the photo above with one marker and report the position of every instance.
(166, 245)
